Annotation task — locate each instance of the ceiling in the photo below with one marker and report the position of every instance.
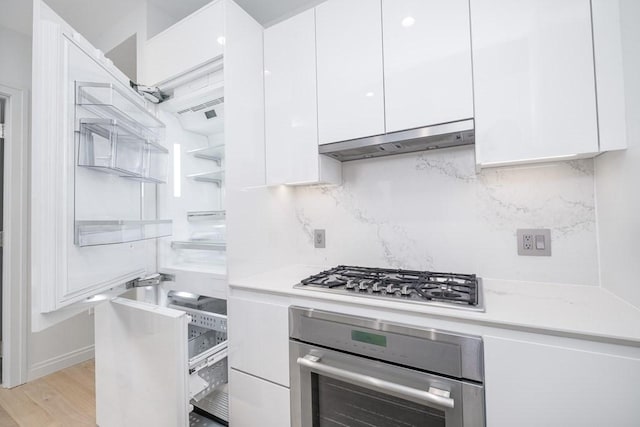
(92, 18)
(268, 12)
(16, 15)
(83, 14)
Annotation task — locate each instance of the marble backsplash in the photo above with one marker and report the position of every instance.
(431, 210)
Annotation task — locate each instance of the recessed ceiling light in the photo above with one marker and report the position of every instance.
(408, 21)
(221, 40)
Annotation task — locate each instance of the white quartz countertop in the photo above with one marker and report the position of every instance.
(569, 310)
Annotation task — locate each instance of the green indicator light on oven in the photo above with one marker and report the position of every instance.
(368, 338)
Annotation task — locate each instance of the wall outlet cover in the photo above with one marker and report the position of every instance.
(534, 241)
(319, 238)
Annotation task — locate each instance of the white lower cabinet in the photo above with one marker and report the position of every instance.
(255, 402)
(259, 339)
(531, 384)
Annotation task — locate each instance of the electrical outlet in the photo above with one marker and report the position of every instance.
(319, 238)
(534, 242)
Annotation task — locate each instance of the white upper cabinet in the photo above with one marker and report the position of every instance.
(607, 46)
(534, 85)
(427, 62)
(350, 82)
(291, 105)
(192, 42)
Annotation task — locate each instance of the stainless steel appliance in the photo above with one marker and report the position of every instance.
(463, 291)
(443, 135)
(355, 371)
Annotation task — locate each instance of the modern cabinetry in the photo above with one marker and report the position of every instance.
(185, 46)
(291, 109)
(610, 78)
(350, 74)
(534, 86)
(531, 379)
(259, 362)
(532, 384)
(255, 402)
(260, 333)
(427, 63)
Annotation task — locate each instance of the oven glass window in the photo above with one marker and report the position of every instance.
(337, 403)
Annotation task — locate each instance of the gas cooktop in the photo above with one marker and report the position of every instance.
(462, 291)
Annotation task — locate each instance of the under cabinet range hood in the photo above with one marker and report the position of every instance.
(420, 139)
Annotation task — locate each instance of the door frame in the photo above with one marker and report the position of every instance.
(15, 234)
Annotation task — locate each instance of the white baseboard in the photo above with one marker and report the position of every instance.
(55, 364)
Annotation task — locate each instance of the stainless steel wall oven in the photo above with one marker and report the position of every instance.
(355, 371)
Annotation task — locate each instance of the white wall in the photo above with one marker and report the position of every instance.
(132, 22)
(618, 180)
(431, 211)
(15, 59)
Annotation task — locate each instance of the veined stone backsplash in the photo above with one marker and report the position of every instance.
(432, 211)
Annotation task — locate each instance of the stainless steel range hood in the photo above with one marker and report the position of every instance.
(427, 138)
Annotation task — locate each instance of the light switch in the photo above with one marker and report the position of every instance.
(540, 242)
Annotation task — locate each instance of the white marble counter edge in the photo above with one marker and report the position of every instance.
(450, 314)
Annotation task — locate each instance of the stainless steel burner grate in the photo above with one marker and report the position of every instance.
(451, 289)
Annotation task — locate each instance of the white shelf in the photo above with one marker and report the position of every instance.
(108, 232)
(106, 146)
(215, 153)
(215, 177)
(203, 245)
(110, 101)
(206, 216)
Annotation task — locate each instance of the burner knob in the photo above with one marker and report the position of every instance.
(391, 290)
(377, 287)
(351, 285)
(406, 290)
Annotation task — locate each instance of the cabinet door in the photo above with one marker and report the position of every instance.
(350, 84)
(141, 365)
(259, 339)
(195, 40)
(427, 62)
(255, 402)
(244, 101)
(529, 384)
(533, 80)
(64, 194)
(290, 97)
(607, 47)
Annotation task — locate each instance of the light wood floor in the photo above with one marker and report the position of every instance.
(63, 399)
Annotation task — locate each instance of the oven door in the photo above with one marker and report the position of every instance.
(331, 388)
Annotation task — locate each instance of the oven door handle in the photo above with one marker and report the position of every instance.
(414, 394)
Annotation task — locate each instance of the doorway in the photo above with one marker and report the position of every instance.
(3, 102)
(14, 217)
